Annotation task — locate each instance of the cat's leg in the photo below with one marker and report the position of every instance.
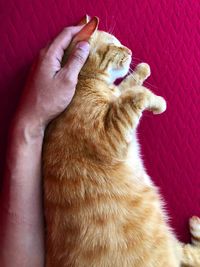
(134, 101)
(140, 98)
(122, 118)
(125, 111)
(146, 100)
(137, 77)
(190, 255)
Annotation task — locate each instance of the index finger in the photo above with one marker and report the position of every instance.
(61, 42)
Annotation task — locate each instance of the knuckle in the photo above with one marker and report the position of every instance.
(42, 52)
(46, 55)
(49, 53)
(68, 30)
(79, 58)
(70, 81)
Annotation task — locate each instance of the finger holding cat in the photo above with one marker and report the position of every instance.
(50, 87)
(54, 52)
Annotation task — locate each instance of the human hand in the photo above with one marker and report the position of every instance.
(51, 87)
(48, 91)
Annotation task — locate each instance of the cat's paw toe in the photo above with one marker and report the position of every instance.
(143, 70)
(160, 105)
(194, 223)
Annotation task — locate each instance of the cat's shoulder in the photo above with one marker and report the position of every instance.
(115, 90)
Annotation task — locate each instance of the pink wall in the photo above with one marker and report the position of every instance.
(166, 35)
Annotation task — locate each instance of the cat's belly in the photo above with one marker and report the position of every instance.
(134, 161)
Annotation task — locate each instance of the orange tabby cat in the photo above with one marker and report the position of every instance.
(102, 209)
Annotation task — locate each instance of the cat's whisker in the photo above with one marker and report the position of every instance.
(133, 64)
(151, 85)
(132, 72)
(109, 30)
(131, 68)
(112, 28)
(106, 21)
(137, 58)
(137, 61)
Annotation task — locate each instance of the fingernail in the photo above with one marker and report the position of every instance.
(85, 46)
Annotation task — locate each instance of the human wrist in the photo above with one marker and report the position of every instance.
(31, 126)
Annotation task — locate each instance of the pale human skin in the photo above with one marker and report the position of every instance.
(48, 92)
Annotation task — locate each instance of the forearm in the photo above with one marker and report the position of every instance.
(48, 92)
(22, 229)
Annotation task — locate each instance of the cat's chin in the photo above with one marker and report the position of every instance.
(115, 74)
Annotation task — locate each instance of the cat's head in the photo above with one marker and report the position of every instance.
(108, 58)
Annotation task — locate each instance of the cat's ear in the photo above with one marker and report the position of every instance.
(87, 31)
(85, 20)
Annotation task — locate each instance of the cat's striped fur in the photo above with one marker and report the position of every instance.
(102, 209)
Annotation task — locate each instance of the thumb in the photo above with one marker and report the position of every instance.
(77, 60)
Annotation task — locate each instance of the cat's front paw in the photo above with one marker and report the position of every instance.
(144, 99)
(159, 106)
(143, 70)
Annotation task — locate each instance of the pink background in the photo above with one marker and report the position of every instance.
(166, 35)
